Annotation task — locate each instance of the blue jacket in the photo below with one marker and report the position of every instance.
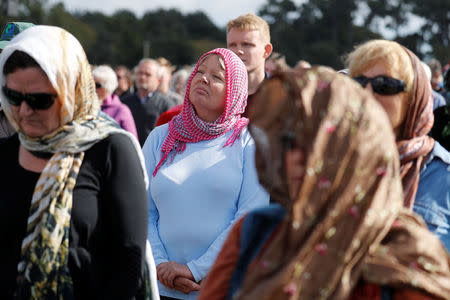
(433, 194)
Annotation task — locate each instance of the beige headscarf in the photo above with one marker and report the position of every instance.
(43, 269)
(347, 222)
(415, 144)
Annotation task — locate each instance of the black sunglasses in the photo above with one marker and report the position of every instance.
(35, 101)
(98, 85)
(383, 85)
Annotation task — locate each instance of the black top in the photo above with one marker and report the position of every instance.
(108, 228)
(441, 127)
(6, 129)
(146, 114)
(125, 94)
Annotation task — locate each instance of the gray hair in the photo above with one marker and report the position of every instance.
(107, 77)
(181, 74)
(159, 70)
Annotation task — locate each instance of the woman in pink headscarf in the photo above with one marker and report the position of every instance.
(202, 174)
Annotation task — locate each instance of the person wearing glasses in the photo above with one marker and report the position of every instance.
(11, 30)
(73, 199)
(147, 103)
(337, 229)
(396, 78)
(105, 84)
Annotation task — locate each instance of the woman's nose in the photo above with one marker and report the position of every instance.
(204, 79)
(25, 109)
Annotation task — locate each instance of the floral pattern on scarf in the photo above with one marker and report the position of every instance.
(347, 221)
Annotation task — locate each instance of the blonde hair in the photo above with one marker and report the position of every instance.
(165, 63)
(393, 56)
(251, 21)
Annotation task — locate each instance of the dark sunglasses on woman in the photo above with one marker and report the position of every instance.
(35, 101)
(382, 85)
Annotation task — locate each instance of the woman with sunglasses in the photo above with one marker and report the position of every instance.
(396, 78)
(338, 230)
(105, 84)
(73, 205)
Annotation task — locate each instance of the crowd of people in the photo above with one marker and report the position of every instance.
(237, 178)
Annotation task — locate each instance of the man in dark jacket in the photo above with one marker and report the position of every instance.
(146, 104)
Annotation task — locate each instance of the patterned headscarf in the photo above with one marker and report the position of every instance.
(347, 220)
(414, 143)
(187, 127)
(43, 268)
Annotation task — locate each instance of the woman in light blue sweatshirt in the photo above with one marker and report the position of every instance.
(202, 174)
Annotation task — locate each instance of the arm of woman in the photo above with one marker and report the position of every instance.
(168, 272)
(150, 150)
(252, 195)
(126, 210)
(218, 280)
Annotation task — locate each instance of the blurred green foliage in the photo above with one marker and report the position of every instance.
(318, 31)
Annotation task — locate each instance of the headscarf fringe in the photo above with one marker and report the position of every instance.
(236, 134)
(163, 158)
(187, 127)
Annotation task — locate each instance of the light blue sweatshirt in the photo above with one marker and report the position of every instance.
(195, 198)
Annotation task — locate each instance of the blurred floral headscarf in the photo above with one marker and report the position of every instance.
(347, 221)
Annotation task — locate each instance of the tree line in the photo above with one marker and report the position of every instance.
(318, 31)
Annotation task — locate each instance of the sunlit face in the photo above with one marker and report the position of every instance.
(250, 47)
(295, 171)
(147, 77)
(33, 122)
(208, 89)
(396, 105)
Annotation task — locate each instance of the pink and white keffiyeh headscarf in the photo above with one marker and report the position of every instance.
(187, 127)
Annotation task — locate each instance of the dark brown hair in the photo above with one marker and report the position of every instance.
(19, 60)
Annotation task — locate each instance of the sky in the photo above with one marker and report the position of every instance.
(220, 12)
